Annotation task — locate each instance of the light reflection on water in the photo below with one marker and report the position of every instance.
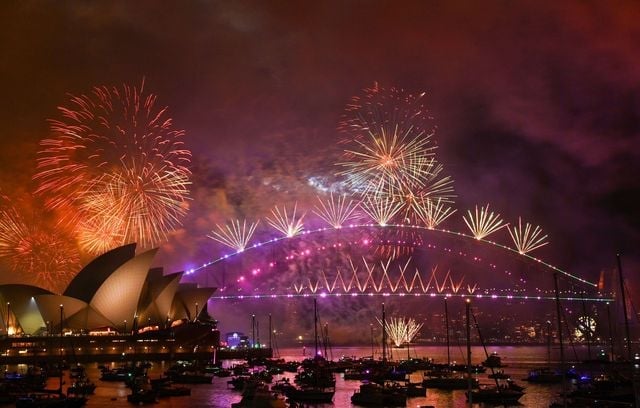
(519, 360)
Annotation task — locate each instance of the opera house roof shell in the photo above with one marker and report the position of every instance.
(116, 287)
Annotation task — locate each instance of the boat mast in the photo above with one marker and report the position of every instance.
(469, 395)
(270, 334)
(446, 319)
(549, 343)
(559, 317)
(612, 356)
(61, 348)
(586, 325)
(315, 324)
(624, 307)
(384, 337)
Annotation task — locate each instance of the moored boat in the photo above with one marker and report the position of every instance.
(496, 394)
(376, 395)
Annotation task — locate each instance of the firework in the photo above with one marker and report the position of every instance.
(389, 151)
(401, 330)
(433, 186)
(384, 162)
(288, 224)
(335, 212)
(527, 239)
(381, 209)
(234, 235)
(483, 222)
(43, 256)
(585, 327)
(433, 213)
(99, 233)
(114, 156)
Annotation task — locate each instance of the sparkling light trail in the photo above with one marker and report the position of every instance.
(401, 330)
(433, 213)
(380, 209)
(234, 235)
(525, 239)
(288, 224)
(113, 156)
(483, 223)
(336, 212)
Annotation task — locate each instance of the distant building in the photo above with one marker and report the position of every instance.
(237, 340)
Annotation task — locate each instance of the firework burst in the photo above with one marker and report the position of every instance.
(41, 255)
(482, 223)
(401, 330)
(433, 213)
(288, 224)
(381, 209)
(389, 150)
(527, 239)
(114, 156)
(336, 212)
(234, 235)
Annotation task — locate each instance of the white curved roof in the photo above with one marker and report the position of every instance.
(117, 298)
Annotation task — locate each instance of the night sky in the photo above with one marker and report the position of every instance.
(537, 103)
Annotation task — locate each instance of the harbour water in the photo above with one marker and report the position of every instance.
(519, 360)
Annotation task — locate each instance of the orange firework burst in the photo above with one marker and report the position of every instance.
(44, 256)
(115, 158)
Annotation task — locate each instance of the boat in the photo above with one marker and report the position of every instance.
(376, 395)
(495, 394)
(49, 400)
(81, 386)
(493, 361)
(415, 390)
(316, 395)
(447, 380)
(499, 375)
(143, 396)
(544, 376)
(191, 377)
(165, 388)
(256, 394)
(173, 391)
(442, 377)
(117, 374)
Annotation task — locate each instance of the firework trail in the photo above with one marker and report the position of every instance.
(401, 330)
(389, 150)
(336, 212)
(482, 222)
(234, 235)
(288, 224)
(381, 210)
(114, 157)
(433, 213)
(44, 256)
(527, 239)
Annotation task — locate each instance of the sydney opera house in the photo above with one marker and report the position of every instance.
(116, 304)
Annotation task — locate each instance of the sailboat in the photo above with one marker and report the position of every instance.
(444, 378)
(316, 382)
(508, 393)
(53, 398)
(545, 375)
